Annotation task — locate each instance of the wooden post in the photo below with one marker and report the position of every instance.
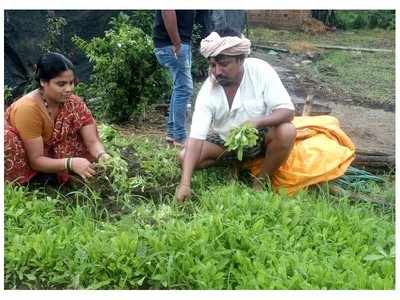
(308, 105)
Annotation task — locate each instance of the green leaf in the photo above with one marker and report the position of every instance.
(140, 281)
(31, 277)
(19, 212)
(240, 154)
(258, 225)
(373, 257)
(97, 285)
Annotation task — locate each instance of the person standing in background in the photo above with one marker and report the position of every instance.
(172, 36)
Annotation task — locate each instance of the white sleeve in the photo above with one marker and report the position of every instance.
(275, 94)
(202, 117)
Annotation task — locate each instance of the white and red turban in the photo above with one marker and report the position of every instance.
(214, 45)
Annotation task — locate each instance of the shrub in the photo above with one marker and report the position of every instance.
(199, 63)
(54, 39)
(366, 19)
(126, 76)
(142, 19)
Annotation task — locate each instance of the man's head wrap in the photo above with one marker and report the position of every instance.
(214, 45)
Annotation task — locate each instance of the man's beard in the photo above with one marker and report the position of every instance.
(221, 80)
(224, 81)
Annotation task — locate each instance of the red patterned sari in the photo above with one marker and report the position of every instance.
(65, 141)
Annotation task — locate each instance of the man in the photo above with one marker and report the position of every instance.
(238, 90)
(172, 34)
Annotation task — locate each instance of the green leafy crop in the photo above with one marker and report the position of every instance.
(241, 137)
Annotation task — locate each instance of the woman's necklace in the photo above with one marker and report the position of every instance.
(46, 104)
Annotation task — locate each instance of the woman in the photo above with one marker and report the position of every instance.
(51, 130)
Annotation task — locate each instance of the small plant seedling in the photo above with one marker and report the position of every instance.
(241, 137)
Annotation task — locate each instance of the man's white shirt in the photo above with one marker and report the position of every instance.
(260, 92)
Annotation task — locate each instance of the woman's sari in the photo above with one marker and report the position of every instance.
(65, 141)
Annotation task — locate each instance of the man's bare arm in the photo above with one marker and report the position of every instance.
(171, 25)
(191, 157)
(278, 116)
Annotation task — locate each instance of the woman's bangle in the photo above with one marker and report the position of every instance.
(69, 163)
(66, 164)
(100, 154)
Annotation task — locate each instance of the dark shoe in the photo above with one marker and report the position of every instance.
(169, 139)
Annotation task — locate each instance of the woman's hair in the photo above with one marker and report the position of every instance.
(50, 65)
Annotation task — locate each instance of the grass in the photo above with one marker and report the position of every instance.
(372, 76)
(371, 80)
(226, 237)
(231, 238)
(362, 38)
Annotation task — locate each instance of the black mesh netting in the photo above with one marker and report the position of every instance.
(26, 30)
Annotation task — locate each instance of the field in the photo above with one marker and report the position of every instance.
(368, 77)
(226, 237)
(125, 230)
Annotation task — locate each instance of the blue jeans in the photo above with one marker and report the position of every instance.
(179, 69)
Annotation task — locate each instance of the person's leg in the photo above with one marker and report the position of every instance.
(279, 142)
(170, 122)
(183, 89)
(166, 58)
(210, 153)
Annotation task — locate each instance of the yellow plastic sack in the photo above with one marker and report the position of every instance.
(322, 152)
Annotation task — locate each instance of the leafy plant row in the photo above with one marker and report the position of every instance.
(230, 238)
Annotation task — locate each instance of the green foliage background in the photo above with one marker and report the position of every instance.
(352, 19)
(126, 75)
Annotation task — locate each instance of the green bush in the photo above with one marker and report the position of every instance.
(53, 41)
(142, 19)
(365, 19)
(126, 75)
(199, 63)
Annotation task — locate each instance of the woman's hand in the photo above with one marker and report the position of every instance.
(182, 193)
(82, 167)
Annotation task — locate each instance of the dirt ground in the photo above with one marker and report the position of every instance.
(370, 127)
